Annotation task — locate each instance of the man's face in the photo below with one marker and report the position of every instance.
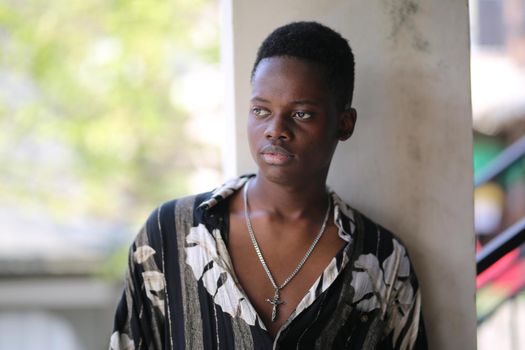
(293, 122)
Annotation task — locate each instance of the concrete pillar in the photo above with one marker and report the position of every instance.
(409, 164)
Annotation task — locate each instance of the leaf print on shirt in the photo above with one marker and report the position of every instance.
(206, 264)
(154, 284)
(143, 253)
(387, 288)
(375, 285)
(121, 341)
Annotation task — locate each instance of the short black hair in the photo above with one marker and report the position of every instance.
(320, 45)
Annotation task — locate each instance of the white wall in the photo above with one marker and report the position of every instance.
(409, 163)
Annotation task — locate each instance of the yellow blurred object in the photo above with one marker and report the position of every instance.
(488, 208)
(490, 191)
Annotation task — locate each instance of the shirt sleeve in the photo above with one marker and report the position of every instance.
(404, 318)
(139, 317)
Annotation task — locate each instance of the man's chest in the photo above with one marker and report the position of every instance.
(282, 255)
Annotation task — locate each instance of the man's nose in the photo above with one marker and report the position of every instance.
(278, 128)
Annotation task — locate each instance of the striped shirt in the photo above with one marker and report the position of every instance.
(181, 291)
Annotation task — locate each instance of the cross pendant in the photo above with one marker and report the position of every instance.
(275, 301)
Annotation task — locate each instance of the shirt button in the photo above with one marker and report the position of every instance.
(364, 318)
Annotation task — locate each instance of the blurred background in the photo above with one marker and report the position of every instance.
(498, 103)
(108, 108)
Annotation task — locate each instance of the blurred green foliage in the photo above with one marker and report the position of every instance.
(88, 122)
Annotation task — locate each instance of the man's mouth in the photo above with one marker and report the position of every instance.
(275, 155)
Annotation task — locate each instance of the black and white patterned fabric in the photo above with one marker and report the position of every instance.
(181, 291)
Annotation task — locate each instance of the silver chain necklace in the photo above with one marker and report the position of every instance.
(276, 300)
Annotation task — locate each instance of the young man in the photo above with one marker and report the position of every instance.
(275, 260)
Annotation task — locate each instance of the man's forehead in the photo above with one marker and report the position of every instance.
(289, 63)
(303, 102)
(290, 82)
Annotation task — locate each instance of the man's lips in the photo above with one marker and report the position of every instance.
(275, 155)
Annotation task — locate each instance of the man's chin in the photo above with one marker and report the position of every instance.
(280, 175)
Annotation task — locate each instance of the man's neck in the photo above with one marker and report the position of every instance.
(288, 202)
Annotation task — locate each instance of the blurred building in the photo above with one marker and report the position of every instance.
(53, 295)
(498, 102)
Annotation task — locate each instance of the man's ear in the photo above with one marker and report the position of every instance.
(346, 124)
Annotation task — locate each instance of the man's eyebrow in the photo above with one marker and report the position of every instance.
(259, 99)
(295, 102)
(306, 102)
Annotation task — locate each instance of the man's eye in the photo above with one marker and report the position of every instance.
(302, 115)
(260, 112)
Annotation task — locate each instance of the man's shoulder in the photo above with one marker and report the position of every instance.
(186, 203)
(174, 219)
(192, 207)
(168, 223)
(371, 226)
(182, 208)
(372, 236)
